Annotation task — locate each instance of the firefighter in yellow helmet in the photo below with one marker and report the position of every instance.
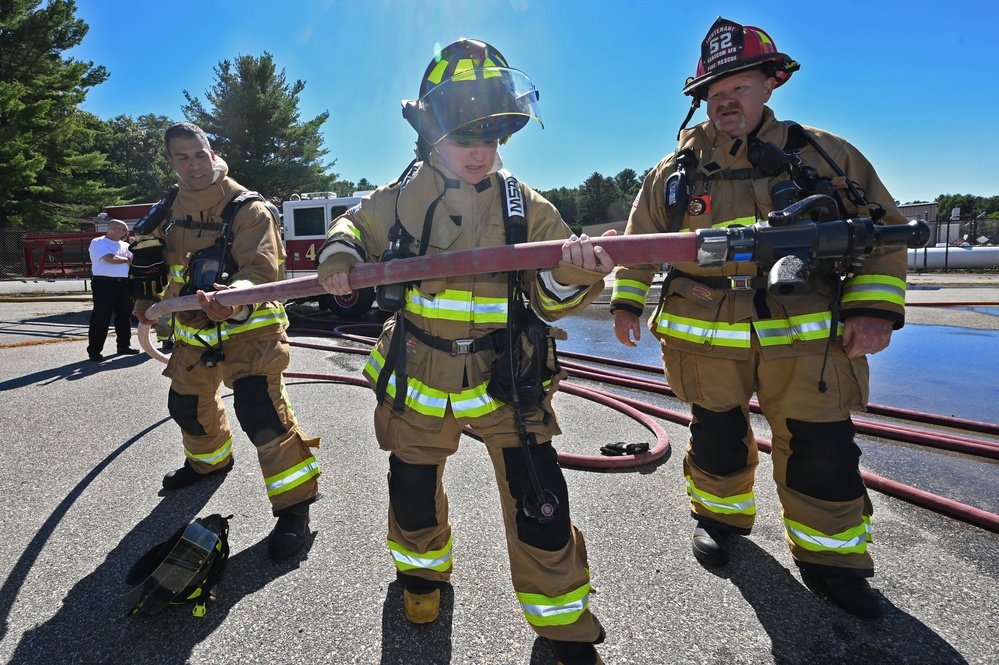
(724, 333)
(444, 359)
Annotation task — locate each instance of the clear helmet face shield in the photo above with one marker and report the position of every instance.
(185, 566)
(476, 104)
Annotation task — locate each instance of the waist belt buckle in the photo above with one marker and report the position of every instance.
(740, 283)
(461, 346)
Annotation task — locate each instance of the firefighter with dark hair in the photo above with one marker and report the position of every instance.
(474, 350)
(731, 331)
(214, 235)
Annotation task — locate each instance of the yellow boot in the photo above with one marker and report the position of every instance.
(422, 607)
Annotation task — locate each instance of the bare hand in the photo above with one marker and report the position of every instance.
(338, 284)
(864, 335)
(581, 252)
(215, 311)
(627, 326)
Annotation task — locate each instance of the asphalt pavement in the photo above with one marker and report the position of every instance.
(85, 447)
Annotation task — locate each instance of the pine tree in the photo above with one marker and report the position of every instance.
(47, 162)
(254, 125)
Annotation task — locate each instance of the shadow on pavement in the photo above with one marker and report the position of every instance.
(74, 371)
(94, 624)
(805, 628)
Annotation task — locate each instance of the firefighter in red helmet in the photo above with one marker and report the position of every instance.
(725, 335)
(474, 350)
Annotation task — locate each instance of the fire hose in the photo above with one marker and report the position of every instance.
(790, 249)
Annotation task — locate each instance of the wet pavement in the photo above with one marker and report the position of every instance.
(86, 445)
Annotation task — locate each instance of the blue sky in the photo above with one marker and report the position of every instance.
(912, 84)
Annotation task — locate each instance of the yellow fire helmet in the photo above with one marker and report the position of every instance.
(469, 93)
(184, 569)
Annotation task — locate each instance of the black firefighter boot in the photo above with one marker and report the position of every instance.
(578, 653)
(291, 531)
(711, 545)
(853, 594)
(186, 475)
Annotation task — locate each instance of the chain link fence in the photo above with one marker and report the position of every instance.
(36, 261)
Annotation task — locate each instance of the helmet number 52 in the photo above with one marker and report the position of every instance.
(722, 41)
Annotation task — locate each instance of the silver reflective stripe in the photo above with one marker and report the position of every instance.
(828, 542)
(413, 561)
(295, 478)
(554, 610)
(738, 506)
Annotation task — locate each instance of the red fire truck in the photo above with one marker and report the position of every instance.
(305, 224)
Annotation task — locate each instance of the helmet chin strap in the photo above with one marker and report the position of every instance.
(694, 105)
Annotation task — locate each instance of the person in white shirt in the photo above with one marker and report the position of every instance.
(110, 259)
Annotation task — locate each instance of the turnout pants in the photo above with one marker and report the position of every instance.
(253, 370)
(826, 509)
(548, 562)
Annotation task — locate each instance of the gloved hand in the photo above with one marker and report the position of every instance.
(148, 273)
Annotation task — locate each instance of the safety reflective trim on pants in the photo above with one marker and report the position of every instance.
(630, 290)
(438, 560)
(454, 305)
(740, 504)
(469, 403)
(804, 327)
(541, 610)
(292, 478)
(214, 457)
(698, 331)
(852, 541)
(265, 316)
(874, 287)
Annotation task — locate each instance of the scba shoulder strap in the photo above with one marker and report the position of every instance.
(515, 221)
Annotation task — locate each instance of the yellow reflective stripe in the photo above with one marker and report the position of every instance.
(292, 478)
(453, 305)
(874, 287)
(347, 226)
(419, 397)
(465, 70)
(437, 72)
(469, 403)
(631, 290)
(439, 560)
(853, 541)
(212, 457)
(740, 504)
(541, 610)
(697, 331)
(473, 402)
(804, 327)
(738, 221)
(177, 273)
(265, 316)
(549, 304)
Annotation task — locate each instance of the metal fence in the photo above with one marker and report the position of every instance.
(28, 267)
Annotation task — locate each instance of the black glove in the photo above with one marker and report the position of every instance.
(148, 273)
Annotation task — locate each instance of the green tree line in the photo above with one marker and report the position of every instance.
(59, 163)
